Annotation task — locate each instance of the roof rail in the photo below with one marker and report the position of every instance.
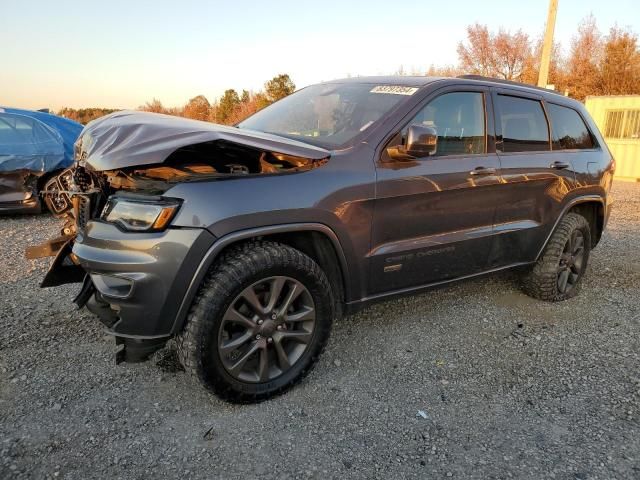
(507, 82)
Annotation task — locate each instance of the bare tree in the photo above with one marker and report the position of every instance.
(511, 54)
(476, 56)
(502, 55)
(443, 71)
(154, 106)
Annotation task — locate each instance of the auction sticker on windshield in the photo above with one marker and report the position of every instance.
(394, 89)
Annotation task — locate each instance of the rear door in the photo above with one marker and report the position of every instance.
(575, 144)
(536, 179)
(433, 216)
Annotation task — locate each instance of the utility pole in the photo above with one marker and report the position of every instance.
(547, 46)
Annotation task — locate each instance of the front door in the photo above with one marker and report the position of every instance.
(433, 215)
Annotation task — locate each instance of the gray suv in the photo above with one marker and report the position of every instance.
(245, 243)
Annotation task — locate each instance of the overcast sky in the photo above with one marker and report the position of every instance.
(120, 54)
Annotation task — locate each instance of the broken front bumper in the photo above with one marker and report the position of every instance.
(138, 280)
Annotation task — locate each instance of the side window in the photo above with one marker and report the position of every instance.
(524, 126)
(16, 130)
(459, 121)
(569, 130)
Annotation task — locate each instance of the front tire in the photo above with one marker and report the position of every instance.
(259, 322)
(557, 275)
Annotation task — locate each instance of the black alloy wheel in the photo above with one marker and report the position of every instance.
(557, 274)
(571, 262)
(259, 323)
(266, 329)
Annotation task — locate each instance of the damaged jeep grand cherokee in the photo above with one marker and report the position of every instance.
(245, 243)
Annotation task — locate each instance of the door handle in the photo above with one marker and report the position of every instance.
(483, 171)
(559, 165)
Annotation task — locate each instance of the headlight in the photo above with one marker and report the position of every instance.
(139, 215)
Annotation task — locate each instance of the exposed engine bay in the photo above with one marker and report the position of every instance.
(80, 193)
(210, 160)
(145, 154)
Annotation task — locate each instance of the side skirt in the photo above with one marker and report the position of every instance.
(356, 306)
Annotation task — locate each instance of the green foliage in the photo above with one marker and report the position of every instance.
(231, 108)
(279, 87)
(261, 101)
(227, 105)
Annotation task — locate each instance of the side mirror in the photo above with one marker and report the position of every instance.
(422, 141)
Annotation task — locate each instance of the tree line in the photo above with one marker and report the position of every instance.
(594, 64)
(84, 115)
(231, 108)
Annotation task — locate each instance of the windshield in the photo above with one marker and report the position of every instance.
(328, 115)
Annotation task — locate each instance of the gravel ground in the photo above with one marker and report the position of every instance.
(509, 386)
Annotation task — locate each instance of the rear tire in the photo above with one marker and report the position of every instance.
(557, 275)
(241, 345)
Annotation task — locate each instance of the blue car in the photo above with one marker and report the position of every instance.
(34, 146)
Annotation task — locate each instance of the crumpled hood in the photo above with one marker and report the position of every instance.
(129, 138)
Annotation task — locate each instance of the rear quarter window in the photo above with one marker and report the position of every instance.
(568, 128)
